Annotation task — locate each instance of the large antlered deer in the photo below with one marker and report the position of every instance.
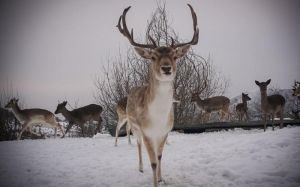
(149, 107)
(80, 116)
(271, 105)
(33, 117)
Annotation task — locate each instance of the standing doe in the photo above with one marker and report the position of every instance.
(214, 104)
(271, 105)
(296, 89)
(33, 117)
(149, 108)
(242, 108)
(81, 115)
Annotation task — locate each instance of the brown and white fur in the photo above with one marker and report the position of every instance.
(242, 108)
(149, 108)
(271, 105)
(122, 117)
(296, 89)
(33, 117)
(81, 115)
(214, 104)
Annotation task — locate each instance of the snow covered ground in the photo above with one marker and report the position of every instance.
(226, 158)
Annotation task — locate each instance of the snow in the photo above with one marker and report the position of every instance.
(225, 158)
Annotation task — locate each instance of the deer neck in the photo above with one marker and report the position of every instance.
(160, 90)
(264, 99)
(66, 113)
(245, 104)
(199, 103)
(18, 113)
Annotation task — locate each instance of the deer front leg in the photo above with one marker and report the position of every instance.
(22, 130)
(265, 121)
(149, 144)
(273, 115)
(69, 127)
(161, 144)
(55, 132)
(247, 116)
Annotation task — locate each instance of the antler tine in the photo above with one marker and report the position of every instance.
(129, 36)
(195, 38)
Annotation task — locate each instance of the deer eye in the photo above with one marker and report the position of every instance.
(175, 57)
(153, 58)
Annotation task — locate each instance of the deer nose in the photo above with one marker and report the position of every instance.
(166, 69)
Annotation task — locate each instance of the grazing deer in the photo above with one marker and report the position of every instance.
(214, 104)
(33, 117)
(271, 105)
(81, 115)
(122, 117)
(296, 114)
(296, 89)
(242, 108)
(149, 108)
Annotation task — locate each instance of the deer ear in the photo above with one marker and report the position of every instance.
(268, 81)
(143, 52)
(181, 51)
(64, 103)
(258, 83)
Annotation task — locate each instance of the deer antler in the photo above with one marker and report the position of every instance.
(195, 38)
(126, 33)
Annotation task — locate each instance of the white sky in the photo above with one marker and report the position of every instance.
(51, 50)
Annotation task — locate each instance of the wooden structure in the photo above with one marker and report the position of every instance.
(199, 128)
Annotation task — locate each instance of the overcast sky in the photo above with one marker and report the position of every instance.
(51, 50)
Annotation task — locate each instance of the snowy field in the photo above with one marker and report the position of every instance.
(226, 158)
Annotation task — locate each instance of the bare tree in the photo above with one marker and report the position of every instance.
(125, 71)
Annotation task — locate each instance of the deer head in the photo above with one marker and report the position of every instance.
(263, 85)
(60, 106)
(11, 104)
(163, 58)
(245, 97)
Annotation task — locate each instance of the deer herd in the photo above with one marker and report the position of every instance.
(148, 109)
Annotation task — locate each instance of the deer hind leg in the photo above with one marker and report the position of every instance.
(247, 116)
(121, 122)
(222, 115)
(151, 149)
(161, 144)
(242, 116)
(99, 120)
(82, 129)
(128, 127)
(29, 128)
(281, 117)
(22, 130)
(138, 135)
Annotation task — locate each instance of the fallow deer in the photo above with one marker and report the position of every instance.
(296, 89)
(296, 114)
(122, 117)
(242, 108)
(81, 115)
(271, 105)
(149, 108)
(218, 104)
(33, 117)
